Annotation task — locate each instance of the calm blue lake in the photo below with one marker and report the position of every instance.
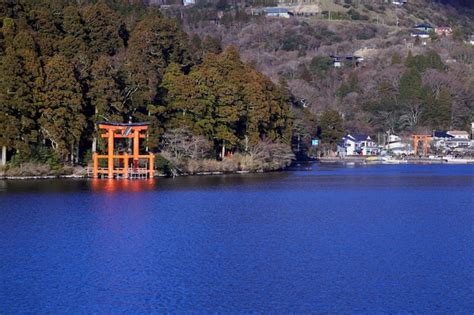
(315, 239)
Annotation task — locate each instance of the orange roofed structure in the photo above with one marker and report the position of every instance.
(128, 163)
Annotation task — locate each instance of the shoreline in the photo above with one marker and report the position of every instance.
(381, 161)
(85, 176)
(341, 161)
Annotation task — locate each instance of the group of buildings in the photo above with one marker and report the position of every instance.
(440, 143)
(424, 31)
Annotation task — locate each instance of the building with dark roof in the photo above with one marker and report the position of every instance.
(424, 27)
(273, 12)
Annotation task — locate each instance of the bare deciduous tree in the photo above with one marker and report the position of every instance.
(276, 155)
(410, 115)
(181, 143)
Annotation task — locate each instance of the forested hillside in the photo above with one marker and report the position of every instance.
(66, 64)
(402, 85)
(196, 74)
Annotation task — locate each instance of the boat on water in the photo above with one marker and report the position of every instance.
(393, 161)
(453, 160)
(374, 158)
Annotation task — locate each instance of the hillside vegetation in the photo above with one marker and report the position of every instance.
(216, 81)
(403, 85)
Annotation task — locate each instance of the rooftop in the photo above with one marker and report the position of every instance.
(418, 32)
(358, 137)
(117, 124)
(272, 10)
(423, 25)
(441, 134)
(458, 133)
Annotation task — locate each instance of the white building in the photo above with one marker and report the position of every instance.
(358, 144)
(396, 146)
(420, 34)
(447, 140)
(459, 134)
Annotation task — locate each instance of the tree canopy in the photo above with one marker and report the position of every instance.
(66, 64)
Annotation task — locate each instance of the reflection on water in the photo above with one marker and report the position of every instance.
(125, 185)
(327, 239)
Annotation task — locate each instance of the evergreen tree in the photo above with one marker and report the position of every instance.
(211, 45)
(330, 128)
(442, 110)
(410, 85)
(184, 101)
(154, 43)
(62, 120)
(320, 65)
(48, 34)
(20, 94)
(396, 58)
(75, 38)
(102, 28)
(409, 60)
(104, 91)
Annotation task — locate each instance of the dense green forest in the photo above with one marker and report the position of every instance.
(66, 64)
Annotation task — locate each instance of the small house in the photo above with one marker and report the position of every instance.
(440, 139)
(274, 12)
(420, 34)
(339, 61)
(424, 27)
(399, 2)
(359, 144)
(336, 61)
(441, 135)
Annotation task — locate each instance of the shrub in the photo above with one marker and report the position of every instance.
(320, 65)
(355, 15)
(30, 169)
(293, 41)
(163, 165)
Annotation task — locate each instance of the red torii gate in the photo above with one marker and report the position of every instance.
(426, 142)
(129, 131)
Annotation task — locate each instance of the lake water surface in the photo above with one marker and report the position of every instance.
(315, 239)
